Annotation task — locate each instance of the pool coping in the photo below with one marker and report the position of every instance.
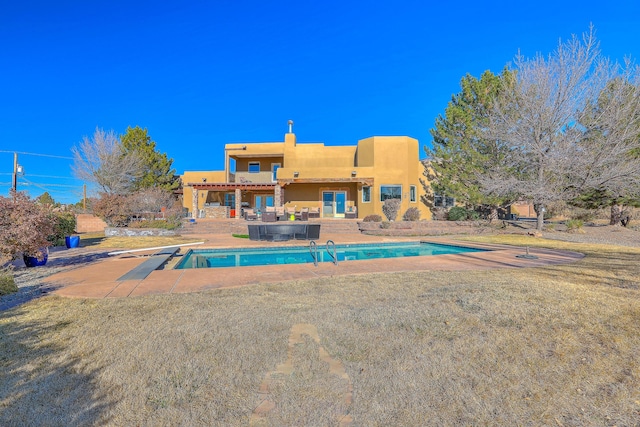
(305, 248)
(100, 279)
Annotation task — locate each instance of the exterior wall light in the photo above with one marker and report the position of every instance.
(296, 174)
(353, 174)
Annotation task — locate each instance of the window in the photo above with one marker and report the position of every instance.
(230, 200)
(274, 171)
(440, 201)
(366, 194)
(412, 193)
(254, 167)
(390, 192)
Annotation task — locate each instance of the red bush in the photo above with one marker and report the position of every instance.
(24, 226)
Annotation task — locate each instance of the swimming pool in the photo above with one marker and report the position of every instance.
(216, 258)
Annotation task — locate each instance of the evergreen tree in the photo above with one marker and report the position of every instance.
(460, 153)
(157, 166)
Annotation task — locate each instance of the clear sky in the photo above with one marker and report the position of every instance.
(199, 74)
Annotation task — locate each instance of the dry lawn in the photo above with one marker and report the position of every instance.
(98, 240)
(547, 346)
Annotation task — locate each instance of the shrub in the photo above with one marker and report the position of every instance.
(438, 214)
(151, 200)
(372, 218)
(390, 208)
(574, 224)
(412, 214)
(64, 224)
(24, 226)
(458, 213)
(114, 209)
(7, 284)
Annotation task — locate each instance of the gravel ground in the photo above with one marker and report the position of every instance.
(29, 280)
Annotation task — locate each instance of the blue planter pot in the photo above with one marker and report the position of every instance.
(32, 261)
(72, 241)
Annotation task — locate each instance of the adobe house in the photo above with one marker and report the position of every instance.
(330, 180)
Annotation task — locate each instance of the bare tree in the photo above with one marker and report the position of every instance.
(536, 122)
(101, 160)
(611, 172)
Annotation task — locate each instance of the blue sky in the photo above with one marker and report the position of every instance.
(201, 74)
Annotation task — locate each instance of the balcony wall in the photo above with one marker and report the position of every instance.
(256, 178)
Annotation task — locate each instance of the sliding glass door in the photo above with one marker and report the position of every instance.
(333, 204)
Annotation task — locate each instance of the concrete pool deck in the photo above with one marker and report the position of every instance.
(100, 279)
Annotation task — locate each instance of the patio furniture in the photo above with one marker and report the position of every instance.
(303, 215)
(351, 212)
(314, 213)
(284, 231)
(288, 212)
(313, 231)
(250, 215)
(269, 215)
(281, 215)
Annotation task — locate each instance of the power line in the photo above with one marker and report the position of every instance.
(52, 176)
(37, 154)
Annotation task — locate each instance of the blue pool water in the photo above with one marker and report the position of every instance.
(213, 258)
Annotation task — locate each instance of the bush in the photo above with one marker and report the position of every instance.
(64, 224)
(390, 208)
(458, 213)
(24, 226)
(151, 200)
(114, 209)
(574, 224)
(412, 214)
(7, 284)
(372, 218)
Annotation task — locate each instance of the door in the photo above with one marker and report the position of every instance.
(327, 204)
(334, 204)
(262, 202)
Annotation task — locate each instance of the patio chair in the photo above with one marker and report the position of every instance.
(314, 213)
(288, 212)
(269, 214)
(281, 215)
(303, 215)
(250, 215)
(351, 212)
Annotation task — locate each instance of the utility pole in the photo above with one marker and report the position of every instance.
(14, 185)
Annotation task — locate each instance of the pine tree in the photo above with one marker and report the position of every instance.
(157, 166)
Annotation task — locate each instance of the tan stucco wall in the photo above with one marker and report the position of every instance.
(392, 160)
(194, 177)
(387, 160)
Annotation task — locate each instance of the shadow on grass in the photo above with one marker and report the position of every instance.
(92, 241)
(40, 383)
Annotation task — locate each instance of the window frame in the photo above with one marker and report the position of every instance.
(368, 187)
(444, 201)
(382, 193)
(274, 171)
(249, 164)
